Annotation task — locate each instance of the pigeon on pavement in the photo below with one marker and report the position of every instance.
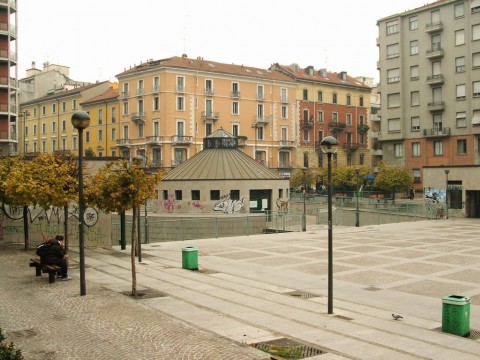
(397, 317)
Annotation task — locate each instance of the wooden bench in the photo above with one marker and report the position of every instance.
(40, 268)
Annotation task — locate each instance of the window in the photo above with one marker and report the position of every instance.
(114, 115)
(458, 10)
(349, 100)
(260, 112)
(461, 119)
(476, 60)
(195, 194)
(156, 103)
(305, 115)
(259, 133)
(416, 175)
(438, 148)
(125, 90)
(436, 44)
(476, 88)
(114, 135)
(284, 112)
(140, 130)
(393, 100)
(415, 149)
(460, 64)
(361, 120)
(284, 159)
(334, 117)
(475, 6)
(180, 103)
(306, 135)
(261, 94)
(460, 37)
(392, 27)
(125, 108)
(44, 128)
(156, 128)
(415, 98)
(125, 131)
(462, 147)
(476, 32)
(178, 195)
(334, 98)
(283, 95)
(54, 144)
(435, 17)
(414, 47)
(74, 104)
(208, 87)
(393, 75)
(214, 194)
(100, 135)
(235, 89)
(235, 108)
(156, 84)
(415, 120)
(413, 23)
(398, 150)
(54, 108)
(44, 110)
(360, 101)
(320, 116)
(64, 125)
(180, 84)
(100, 116)
(349, 119)
(235, 129)
(461, 92)
(320, 96)
(64, 106)
(393, 51)
(393, 125)
(87, 136)
(165, 194)
(180, 128)
(305, 94)
(414, 72)
(208, 128)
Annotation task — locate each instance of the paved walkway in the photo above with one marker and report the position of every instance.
(255, 289)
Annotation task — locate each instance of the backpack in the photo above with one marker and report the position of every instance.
(42, 249)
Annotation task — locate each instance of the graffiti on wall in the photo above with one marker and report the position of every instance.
(169, 204)
(229, 206)
(53, 214)
(195, 205)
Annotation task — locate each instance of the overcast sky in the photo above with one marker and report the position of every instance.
(97, 39)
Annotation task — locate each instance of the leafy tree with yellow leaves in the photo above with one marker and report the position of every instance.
(393, 178)
(347, 177)
(121, 186)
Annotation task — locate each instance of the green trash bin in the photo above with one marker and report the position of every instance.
(456, 315)
(190, 258)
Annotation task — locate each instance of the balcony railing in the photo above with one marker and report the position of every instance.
(123, 142)
(235, 94)
(437, 132)
(337, 125)
(138, 116)
(124, 94)
(140, 91)
(156, 89)
(286, 144)
(181, 139)
(260, 120)
(436, 106)
(209, 92)
(375, 117)
(260, 96)
(284, 99)
(181, 89)
(351, 146)
(306, 124)
(434, 27)
(435, 53)
(210, 115)
(154, 140)
(435, 79)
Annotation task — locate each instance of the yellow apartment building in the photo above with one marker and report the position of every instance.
(330, 104)
(168, 106)
(46, 122)
(101, 136)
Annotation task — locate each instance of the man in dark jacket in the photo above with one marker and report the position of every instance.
(56, 256)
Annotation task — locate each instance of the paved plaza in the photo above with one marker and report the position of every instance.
(255, 290)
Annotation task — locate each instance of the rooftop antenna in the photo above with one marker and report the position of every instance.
(185, 22)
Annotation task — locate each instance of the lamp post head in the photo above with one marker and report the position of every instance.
(80, 120)
(447, 171)
(138, 160)
(329, 145)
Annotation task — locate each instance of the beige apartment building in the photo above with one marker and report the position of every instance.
(168, 106)
(430, 86)
(46, 125)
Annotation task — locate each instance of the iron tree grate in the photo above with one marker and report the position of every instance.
(288, 349)
(473, 335)
(302, 294)
(144, 294)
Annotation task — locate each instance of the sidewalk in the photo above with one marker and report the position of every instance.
(255, 289)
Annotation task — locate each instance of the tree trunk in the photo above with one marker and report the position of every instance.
(25, 227)
(134, 251)
(65, 226)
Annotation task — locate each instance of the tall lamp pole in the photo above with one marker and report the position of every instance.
(304, 216)
(329, 147)
(357, 213)
(80, 121)
(446, 193)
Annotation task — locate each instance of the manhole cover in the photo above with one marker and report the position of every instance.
(474, 333)
(144, 294)
(302, 294)
(23, 333)
(288, 349)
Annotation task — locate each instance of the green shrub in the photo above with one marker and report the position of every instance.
(8, 351)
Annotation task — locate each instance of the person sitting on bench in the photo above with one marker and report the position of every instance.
(56, 256)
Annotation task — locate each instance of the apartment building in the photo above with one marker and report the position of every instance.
(102, 133)
(47, 125)
(8, 77)
(330, 104)
(168, 106)
(429, 63)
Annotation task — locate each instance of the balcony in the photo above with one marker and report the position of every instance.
(378, 152)
(235, 94)
(435, 79)
(434, 27)
(181, 139)
(8, 55)
(436, 106)
(260, 96)
(154, 140)
(260, 120)
(138, 117)
(306, 125)
(123, 143)
(156, 163)
(437, 132)
(375, 117)
(140, 91)
(156, 89)
(284, 99)
(209, 92)
(210, 115)
(7, 29)
(286, 144)
(435, 53)
(375, 135)
(181, 89)
(124, 95)
(349, 146)
(363, 128)
(335, 125)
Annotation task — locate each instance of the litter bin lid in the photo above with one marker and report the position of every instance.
(189, 248)
(456, 300)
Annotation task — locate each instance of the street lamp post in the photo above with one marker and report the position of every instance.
(304, 217)
(357, 213)
(329, 147)
(80, 121)
(446, 193)
(138, 160)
